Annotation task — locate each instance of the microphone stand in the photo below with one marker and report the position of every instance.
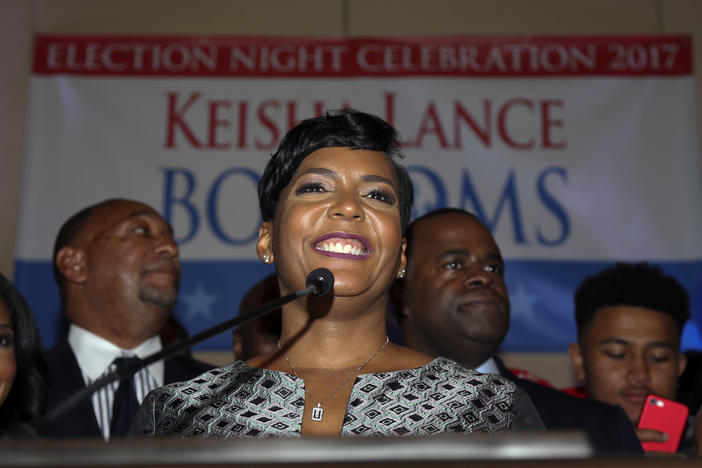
(34, 428)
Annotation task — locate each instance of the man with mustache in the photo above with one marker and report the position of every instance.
(630, 319)
(117, 267)
(453, 302)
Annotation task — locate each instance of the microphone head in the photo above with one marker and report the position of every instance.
(322, 280)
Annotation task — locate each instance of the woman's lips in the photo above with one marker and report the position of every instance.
(342, 245)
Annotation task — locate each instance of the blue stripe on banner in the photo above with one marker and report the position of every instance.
(541, 293)
(210, 292)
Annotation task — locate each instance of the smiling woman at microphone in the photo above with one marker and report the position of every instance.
(333, 196)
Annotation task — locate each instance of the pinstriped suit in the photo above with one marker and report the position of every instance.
(65, 378)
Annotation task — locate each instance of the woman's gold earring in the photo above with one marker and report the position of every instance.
(402, 274)
(266, 258)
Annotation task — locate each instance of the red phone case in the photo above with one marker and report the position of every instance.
(666, 416)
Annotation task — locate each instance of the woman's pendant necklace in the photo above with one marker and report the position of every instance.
(318, 411)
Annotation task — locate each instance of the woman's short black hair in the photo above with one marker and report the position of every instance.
(631, 284)
(333, 129)
(26, 398)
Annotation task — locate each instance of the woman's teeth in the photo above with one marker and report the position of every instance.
(338, 247)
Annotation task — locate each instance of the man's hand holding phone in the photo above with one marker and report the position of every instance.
(661, 424)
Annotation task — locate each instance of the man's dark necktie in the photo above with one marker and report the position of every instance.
(125, 404)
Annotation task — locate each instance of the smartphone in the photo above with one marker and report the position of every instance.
(666, 416)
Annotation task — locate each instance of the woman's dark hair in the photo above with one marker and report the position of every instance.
(631, 284)
(333, 129)
(26, 398)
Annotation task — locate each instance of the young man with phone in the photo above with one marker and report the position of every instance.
(630, 319)
(666, 416)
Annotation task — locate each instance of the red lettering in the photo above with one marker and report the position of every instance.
(502, 123)
(431, 124)
(318, 108)
(175, 120)
(243, 113)
(213, 123)
(269, 124)
(390, 108)
(292, 117)
(461, 114)
(547, 123)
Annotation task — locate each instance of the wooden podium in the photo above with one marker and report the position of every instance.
(528, 449)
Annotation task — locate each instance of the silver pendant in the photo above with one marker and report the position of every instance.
(317, 413)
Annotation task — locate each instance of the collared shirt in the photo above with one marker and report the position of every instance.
(488, 367)
(95, 356)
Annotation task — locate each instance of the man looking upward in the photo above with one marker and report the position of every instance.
(117, 267)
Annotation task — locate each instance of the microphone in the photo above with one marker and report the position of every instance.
(322, 280)
(319, 282)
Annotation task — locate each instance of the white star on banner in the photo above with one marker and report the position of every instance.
(522, 303)
(199, 303)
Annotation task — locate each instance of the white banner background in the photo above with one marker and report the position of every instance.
(570, 170)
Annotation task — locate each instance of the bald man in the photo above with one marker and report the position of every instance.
(453, 302)
(118, 271)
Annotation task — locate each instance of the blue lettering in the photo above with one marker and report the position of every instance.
(508, 195)
(212, 199)
(553, 206)
(170, 199)
(424, 201)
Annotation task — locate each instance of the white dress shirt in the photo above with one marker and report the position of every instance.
(488, 367)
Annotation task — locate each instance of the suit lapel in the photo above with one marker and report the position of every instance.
(65, 379)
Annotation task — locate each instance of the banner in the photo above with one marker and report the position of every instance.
(575, 151)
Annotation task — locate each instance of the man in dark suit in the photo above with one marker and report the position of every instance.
(453, 302)
(117, 267)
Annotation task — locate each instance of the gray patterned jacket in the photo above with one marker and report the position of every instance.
(245, 402)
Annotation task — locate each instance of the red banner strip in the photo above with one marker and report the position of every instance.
(363, 57)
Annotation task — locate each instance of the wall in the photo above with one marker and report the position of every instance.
(20, 19)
